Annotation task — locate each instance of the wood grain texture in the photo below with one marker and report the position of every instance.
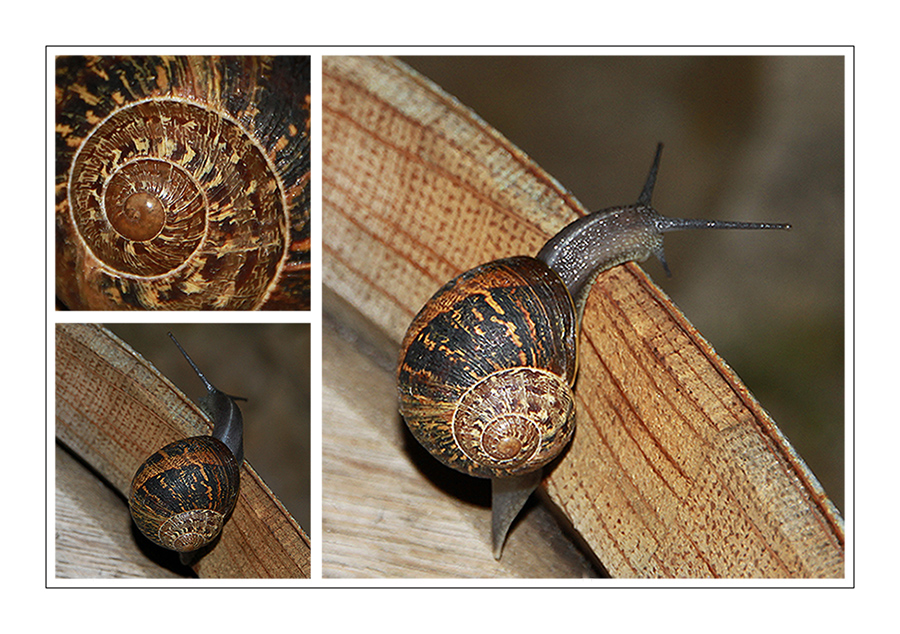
(675, 470)
(686, 472)
(113, 410)
(390, 510)
(93, 529)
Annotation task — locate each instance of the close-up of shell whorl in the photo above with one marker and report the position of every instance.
(182, 183)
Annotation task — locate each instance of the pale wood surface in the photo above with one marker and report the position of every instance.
(113, 409)
(391, 511)
(675, 470)
(93, 530)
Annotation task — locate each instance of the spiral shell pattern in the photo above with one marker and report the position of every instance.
(182, 183)
(486, 368)
(181, 496)
(514, 417)
(190, 530)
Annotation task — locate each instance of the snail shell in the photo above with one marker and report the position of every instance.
(182, 495)
(182, 182)
(487, 367)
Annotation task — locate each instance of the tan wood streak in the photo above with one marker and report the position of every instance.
(416, 162)
(675, 469)
(676, 432)
(114, 410)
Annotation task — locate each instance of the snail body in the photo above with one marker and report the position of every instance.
(182, 183)
(182, 495)
(487, 366)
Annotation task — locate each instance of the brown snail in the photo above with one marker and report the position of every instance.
(182, 183)
(487, 366)
(182, 495)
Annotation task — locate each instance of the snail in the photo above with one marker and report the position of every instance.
(182, 495)
(487, 366)
(182, 183)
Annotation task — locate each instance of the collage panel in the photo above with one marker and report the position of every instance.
(671, 467)
(182, 182)
(183, 450)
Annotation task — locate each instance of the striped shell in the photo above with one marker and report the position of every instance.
(486, 368)
(182, 495)
(182, 183)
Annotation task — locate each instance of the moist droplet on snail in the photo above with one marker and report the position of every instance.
(487, 366)
(182, 495)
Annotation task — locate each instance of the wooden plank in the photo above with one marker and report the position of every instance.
(113, 409)
(675, 470)
(682, 458)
